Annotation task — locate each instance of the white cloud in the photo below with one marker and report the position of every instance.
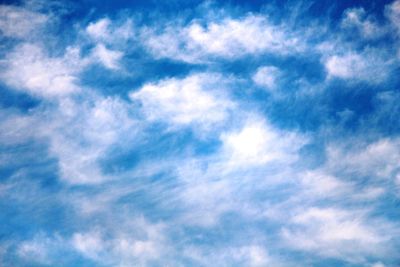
(18, 22)
(370, 66)
(249, 155)
(319, 183)
(332, 225)
(393, 13)
(257, 256)
(336, 233)
(33, 250)
(204, 199)
(356, 18)
(89, 244)
(380, 159)
(378, 264)
(228, 37)
(93, 126)
(109, 58)
(252, 255)
(137, 243)
(100, 29)
(345, 66)
(29, 69)
(38, 249)
(128, 242)
(78, 134)
(110, 32)
(110, 39)
(257, 143)
(198, 99)
(16, 128)
(266, 76)
(79, 130)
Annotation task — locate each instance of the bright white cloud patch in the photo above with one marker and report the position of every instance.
(145, 243)
(336, 233)
(198, 99)
(29, 69)
(228, 37)
(380, 159)
(258, 143)
(211, 185)
(370, 66)
(100, 29)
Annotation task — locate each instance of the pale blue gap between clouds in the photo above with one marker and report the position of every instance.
(214, 137)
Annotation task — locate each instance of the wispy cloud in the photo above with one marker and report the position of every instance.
(29, 69)
(195, 100)
(206, 135)
(20, 23)
(226, 38)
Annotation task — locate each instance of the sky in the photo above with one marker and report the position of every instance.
(199, 133)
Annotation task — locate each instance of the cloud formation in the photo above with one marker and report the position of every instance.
(208, 134)
(227, 38)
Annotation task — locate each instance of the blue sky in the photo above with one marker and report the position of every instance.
(199, 133)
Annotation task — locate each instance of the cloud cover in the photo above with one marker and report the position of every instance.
(210, 134)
